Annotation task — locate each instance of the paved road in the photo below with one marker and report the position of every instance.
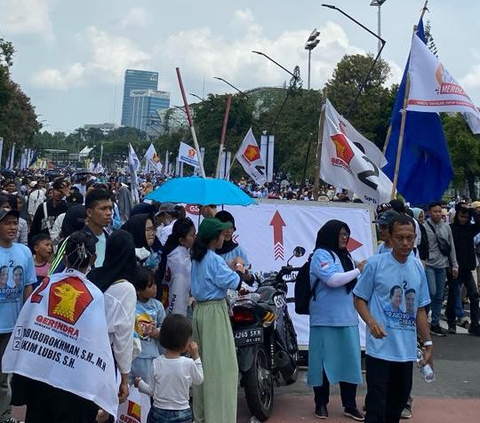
(453, 398)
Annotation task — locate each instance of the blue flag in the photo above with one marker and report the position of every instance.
(425, 165)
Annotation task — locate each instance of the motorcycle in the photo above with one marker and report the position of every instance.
(266, 342)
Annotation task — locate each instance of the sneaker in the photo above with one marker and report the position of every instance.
(321, 412)
(452, 328)
(463, 322)
(406, 414)
(10, 420)
(474, 330)
(354, 413)
(437, 330)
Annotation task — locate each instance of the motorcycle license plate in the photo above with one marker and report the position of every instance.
(248, 337)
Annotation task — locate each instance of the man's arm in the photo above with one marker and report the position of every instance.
(424, 332)
(26, 292)
(362, 308)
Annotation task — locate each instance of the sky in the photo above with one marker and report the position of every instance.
(71, 55)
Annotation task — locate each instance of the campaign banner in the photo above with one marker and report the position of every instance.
(188, 155)
(433, 88)
(61, 338)
(271, 230)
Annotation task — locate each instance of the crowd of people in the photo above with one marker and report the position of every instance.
(157, 300)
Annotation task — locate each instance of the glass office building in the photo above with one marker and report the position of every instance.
(145, 107)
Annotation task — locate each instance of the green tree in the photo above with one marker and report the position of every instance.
(18, 120)
(464, 150)
(372, 112)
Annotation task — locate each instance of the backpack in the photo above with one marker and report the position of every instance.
(303, 291)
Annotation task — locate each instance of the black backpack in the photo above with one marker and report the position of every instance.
(303, 292)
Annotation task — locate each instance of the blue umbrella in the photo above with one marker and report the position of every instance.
(201, 191)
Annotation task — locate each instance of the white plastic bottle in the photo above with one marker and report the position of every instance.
(426, 371)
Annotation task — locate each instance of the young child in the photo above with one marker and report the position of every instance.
(149, 316)
(173, 374)
(42, 256)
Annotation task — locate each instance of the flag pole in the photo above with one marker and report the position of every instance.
(389, 132)
(321, 126)
(402, 133)
(222, 139)
(190, 123)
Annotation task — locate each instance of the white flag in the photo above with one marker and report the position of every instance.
(248, 155)
(364, 145)
(344, 165)
(153, 160)
(133, 166)
(188, 155)
(433, 88)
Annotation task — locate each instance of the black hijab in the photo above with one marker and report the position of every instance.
(74, 220)
(120, 261)
(230, 245)
(136, 226)
(327, 239)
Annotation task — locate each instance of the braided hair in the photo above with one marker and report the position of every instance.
(80, 248)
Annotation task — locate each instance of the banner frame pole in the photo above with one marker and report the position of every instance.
(321, 128)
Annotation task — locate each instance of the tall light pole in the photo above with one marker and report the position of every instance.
(378, 3)
(231, 85)
(311, 43)
(197, 96)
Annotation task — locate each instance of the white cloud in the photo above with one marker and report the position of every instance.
(26, 17)
(113, 54)
(472, 79)
(57, 80)
(136, 17)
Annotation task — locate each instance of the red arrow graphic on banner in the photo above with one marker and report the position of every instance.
(353, 245)
(278, 225)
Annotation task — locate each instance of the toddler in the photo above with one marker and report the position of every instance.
(42, 256)
(173, 374)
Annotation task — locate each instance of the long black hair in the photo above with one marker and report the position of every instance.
(327, 239)
(79, 249)
(200, 246)
(180, 229)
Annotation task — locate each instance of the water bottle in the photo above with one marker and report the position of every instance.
(426, 371)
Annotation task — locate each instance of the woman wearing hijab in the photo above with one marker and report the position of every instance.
(142, 228)
(215, 401)
(114, 280)
(334, 347)
(230, 249)
(422, 247)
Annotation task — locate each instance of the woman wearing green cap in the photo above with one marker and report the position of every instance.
(216, 400)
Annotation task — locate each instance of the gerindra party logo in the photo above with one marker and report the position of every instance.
(68, 300)
(251, 153)
(342, 147)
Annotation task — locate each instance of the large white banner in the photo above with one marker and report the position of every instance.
(271, 230)
(432, 86)
(345, 165)
(61, 338)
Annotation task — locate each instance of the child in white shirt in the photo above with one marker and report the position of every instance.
(173, 374)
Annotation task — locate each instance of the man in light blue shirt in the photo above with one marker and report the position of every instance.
(391, 296)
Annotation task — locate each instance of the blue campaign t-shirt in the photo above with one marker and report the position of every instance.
(332, 306)
(17, 270)
(394, 292)
(149, 313)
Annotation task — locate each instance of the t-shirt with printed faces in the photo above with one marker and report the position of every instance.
(17, 270)
(394, 292)
(149, 313)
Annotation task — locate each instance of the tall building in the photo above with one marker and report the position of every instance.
(144, 107)
(136, 80)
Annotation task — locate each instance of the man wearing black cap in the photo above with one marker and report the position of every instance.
(17, 274)
(383, 221)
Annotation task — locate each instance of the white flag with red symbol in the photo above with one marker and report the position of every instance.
(248, 155)
(345, 165)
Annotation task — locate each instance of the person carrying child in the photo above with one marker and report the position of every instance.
(173, 374)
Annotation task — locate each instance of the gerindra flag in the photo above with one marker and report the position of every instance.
(61, 338)
(345, 165)
(153, 160)
(432, 86)
(248, 155)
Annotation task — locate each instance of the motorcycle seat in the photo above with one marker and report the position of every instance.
(266, 293)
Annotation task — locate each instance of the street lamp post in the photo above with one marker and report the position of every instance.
(378, 3)
(231, 85)
(311, 43)
(197, 96)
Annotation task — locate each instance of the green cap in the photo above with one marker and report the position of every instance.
(211, 226)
